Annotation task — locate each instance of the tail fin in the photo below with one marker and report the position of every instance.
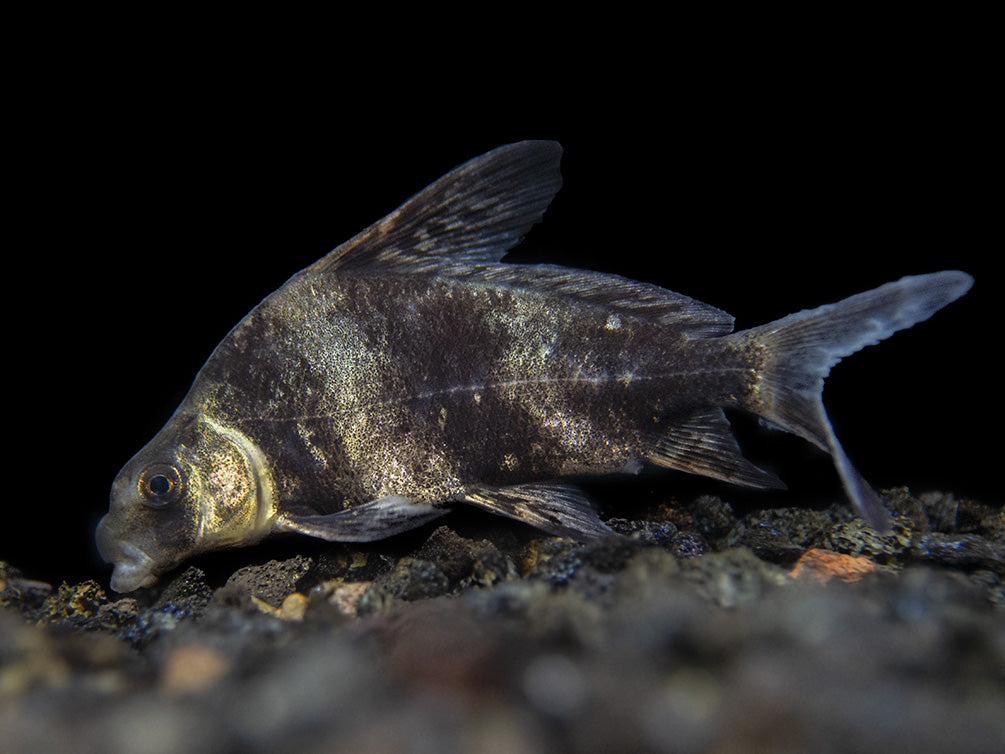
(801, 349)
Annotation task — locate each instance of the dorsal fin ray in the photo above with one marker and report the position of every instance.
(474, 214)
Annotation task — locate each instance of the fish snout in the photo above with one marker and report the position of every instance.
(133, 567)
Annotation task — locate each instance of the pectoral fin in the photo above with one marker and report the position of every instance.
(378, 519)
(555, 508)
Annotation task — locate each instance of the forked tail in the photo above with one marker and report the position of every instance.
(799, 351)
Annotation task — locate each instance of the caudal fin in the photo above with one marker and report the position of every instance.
(801, 349)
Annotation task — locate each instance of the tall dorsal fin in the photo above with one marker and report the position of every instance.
(474, 214)
(461, 226)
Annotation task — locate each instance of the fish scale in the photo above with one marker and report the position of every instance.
(410, 371)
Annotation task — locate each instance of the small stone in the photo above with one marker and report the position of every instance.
(345, 597)
(190, 669)
(271, 582)
(414, 579)
(293, 607)
(823, 565)
(76, 604)
(961, 551)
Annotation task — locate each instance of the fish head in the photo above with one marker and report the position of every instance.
(196, 486)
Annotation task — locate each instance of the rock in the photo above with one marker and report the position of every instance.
(685, 633)
(270, 582)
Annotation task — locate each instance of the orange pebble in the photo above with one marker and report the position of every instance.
(823, 565)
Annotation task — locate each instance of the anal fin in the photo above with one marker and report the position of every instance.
(556, 508)
(704, 444)
(377, 519)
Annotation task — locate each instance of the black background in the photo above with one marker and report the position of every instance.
(151, 218)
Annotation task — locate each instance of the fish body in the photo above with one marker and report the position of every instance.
(409, 371)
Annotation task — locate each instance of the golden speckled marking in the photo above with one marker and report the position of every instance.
(239, 500)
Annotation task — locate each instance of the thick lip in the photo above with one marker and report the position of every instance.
(133, 573)
(133, 567)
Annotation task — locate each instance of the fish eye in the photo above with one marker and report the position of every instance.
(160, 485)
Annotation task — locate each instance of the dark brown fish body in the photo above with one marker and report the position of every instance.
(459, 383)
(409, 370)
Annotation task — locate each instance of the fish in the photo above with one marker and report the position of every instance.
(411, 370)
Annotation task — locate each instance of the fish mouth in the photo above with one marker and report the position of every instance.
(133, 567)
